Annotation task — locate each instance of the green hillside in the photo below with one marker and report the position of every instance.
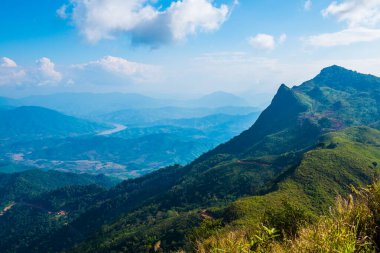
(338, 161)
(32, 202)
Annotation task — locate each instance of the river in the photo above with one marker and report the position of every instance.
(117, 128)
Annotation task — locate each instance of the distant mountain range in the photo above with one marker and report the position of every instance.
(31, 122)
(157, 116)
(313, 142)
(91, 104)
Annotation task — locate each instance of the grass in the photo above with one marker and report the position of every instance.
(351, 226)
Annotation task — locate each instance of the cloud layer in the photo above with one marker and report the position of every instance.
(345, 37)
(142, 21)
(43, 73)
(119, 68)
(361, 17)
(356, 13)
(109, 70)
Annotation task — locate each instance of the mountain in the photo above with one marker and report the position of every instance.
(156, 116)
(310, 144)
(7, 102)
(80, 104)
(216, 127)
(36, 122)
(92, 105)
(218, 99)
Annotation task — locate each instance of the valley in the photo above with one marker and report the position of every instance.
(42, 138)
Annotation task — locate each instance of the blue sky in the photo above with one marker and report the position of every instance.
(183, 47)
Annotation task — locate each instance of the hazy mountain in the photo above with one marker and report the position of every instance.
(155, 116)
(7, 102)
(32, 122)
(218, 99)
(91, 104)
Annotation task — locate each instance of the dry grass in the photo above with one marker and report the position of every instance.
(344, 230)
(240, 241)
(350, 227)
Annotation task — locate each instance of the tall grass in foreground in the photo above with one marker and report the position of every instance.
(351, 226)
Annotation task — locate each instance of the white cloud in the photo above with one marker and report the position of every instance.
(362, 18)
(345, 37)
(107, 71)
(47, 73)
(11, 76)
(144, 23)
(101, 19)
(308, 5)
(8, 63)
(10, 73)
(355, 12)
(266, 41)
(188, 16)
(123, 68)
(262, 41)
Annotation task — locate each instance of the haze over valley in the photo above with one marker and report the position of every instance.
(120, 138)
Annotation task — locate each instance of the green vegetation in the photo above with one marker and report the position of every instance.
(34, 203)
(31, 183)
(351, 226)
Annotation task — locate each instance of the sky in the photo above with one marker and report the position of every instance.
(181, 48)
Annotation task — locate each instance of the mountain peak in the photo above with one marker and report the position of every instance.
(334, 68)
(340, 78)
(283, 87)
